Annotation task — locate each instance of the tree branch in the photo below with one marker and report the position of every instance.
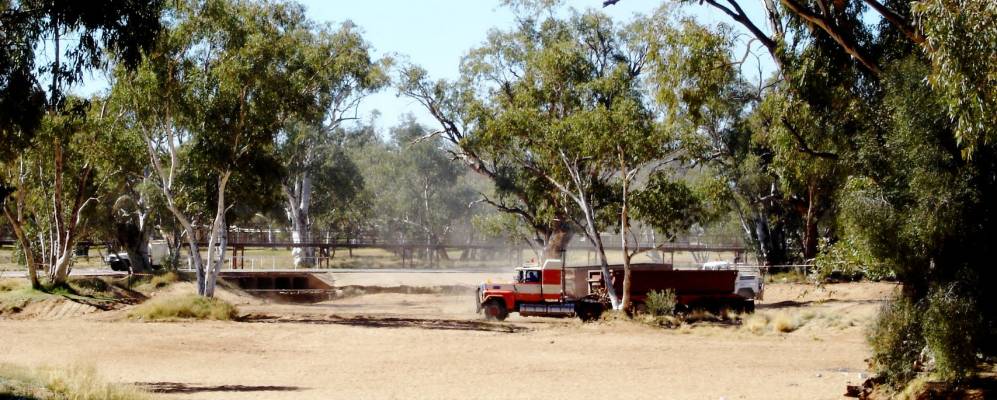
(802, 144)
(828, 26)
(897, 20)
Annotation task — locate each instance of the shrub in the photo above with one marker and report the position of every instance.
(896, 341)
(160, 281)
(849, 259)
(785, 323)
(951, 325)
(163, 280)
(189, 306)
(757, 323)
(661, 303)
(76, 383)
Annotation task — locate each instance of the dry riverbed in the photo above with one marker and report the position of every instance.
(386, 344)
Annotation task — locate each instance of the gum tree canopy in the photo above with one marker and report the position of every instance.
(905, 167)
(76, 36)
(210, 100)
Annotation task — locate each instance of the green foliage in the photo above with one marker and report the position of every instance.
(849, 259)
(121, 27)
(414, 191)
(896, 340)
(851, 151)
(661, 303)
(668, 206)
(190, 306)
(952, 327)
(961, 43)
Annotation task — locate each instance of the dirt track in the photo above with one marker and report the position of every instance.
(391, 345)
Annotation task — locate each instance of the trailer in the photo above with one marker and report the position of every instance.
(694, 289)
(555, 290)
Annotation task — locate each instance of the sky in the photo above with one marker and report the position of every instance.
(435, 34)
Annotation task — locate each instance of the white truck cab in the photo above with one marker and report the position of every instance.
(750, 283)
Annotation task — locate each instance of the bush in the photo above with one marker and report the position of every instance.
(784, 323)
(77, 383)
(757, 323)
(189, 306)
(951, 326)
(896, 341)
(661, 303)
(850, 260)
(160, 281)
(163, 280)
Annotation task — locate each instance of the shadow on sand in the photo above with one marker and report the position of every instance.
(183, 388)
(389, 322)
(796, 304)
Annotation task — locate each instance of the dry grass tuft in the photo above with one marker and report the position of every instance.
(784, 323)
(8, 285)
(159, 281)
(74, 383)
(191, 306)
(17, 294)
(756, 323)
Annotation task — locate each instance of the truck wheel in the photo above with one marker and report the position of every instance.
(748, 306)
(588, 310)
(495, 310)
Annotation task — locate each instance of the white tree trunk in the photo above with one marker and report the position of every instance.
(298, 208)
(603, 260)
(166, 187)
(219, 236)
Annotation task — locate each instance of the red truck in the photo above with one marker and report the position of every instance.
(554, 290)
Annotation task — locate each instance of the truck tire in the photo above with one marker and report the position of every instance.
(588, 310)
(495, 310)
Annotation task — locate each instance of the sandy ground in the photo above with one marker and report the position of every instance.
(394, 345)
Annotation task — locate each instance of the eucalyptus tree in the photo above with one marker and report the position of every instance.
(909, 161)
(344, 73)
(28, 106)
(416, 192)
(554, 112)
(518, 191)
(210, 100)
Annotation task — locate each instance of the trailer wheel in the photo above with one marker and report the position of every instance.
(495, 310)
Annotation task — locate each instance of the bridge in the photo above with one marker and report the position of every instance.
(238, 240)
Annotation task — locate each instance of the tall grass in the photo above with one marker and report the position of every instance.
(15, 294)
(191, 306)
(73, 383)
(157, 281)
